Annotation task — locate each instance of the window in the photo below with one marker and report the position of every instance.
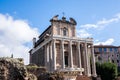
(117, 61)
(100, 49)
(110, 49)
(117, 56)
(64, 31)
(112, 61)
(66, 59)
(105, 49)
(115, 49)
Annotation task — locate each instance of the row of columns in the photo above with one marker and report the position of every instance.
(50, 56)
(86, 58)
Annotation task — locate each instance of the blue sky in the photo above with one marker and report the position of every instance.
(20, 20)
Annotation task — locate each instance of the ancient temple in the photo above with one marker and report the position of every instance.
(59, 49)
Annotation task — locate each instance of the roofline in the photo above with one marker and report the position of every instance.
(63, 21)
(105, 46)
(45, 31)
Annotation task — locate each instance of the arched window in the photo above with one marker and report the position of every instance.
(64, 31)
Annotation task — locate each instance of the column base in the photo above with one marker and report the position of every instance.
(88, 75)
(94, 75)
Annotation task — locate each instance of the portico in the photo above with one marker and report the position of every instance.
(72, 54)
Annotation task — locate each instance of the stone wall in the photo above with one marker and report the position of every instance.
(38, 57)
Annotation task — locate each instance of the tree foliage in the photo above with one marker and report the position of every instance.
(107, 71)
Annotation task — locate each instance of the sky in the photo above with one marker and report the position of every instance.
(21, 20)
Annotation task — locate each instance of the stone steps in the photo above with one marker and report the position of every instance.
(83, 78)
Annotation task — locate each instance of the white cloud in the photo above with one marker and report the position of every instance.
(14, 34)
(107, 42)
(83, 33)
(84, 30)
(102, 23)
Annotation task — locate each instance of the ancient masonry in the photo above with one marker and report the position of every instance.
(59, 49)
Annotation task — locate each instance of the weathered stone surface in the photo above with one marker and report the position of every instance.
(12, 69)
(34, 69)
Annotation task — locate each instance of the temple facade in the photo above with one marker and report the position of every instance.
(59, 49)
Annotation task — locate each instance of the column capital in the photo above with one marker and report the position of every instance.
(78, 42)
(62, 41)
(54, 40)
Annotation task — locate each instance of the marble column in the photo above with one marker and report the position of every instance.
(79, 57)
(54, 54)
(93, 62)
(89, 59)
(47, 53)
(62, 51)
(87, 62)
(50, 56)
(71, 54)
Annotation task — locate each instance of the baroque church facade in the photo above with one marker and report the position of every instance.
(59, 49)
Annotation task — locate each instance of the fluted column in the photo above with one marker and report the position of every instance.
(71, 55)
(79, 57)
(93, 62)
(62, 51)
(54, 54)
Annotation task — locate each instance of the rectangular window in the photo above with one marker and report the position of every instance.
(105, 49)
(110, 49)
(100, 49)
(115, 49)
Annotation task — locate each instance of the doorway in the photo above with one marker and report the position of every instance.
(66, 59)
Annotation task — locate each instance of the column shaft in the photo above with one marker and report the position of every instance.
(48, 55)
(54, 54)
(79, 57)
(71, 54)
(87, 64)
(51, 56)
(93, 62)
(62, 51)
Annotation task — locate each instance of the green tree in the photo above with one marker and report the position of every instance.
(107, 71)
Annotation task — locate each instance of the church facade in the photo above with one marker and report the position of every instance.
(59, 49)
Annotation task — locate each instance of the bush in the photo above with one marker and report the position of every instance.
(107, 71)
